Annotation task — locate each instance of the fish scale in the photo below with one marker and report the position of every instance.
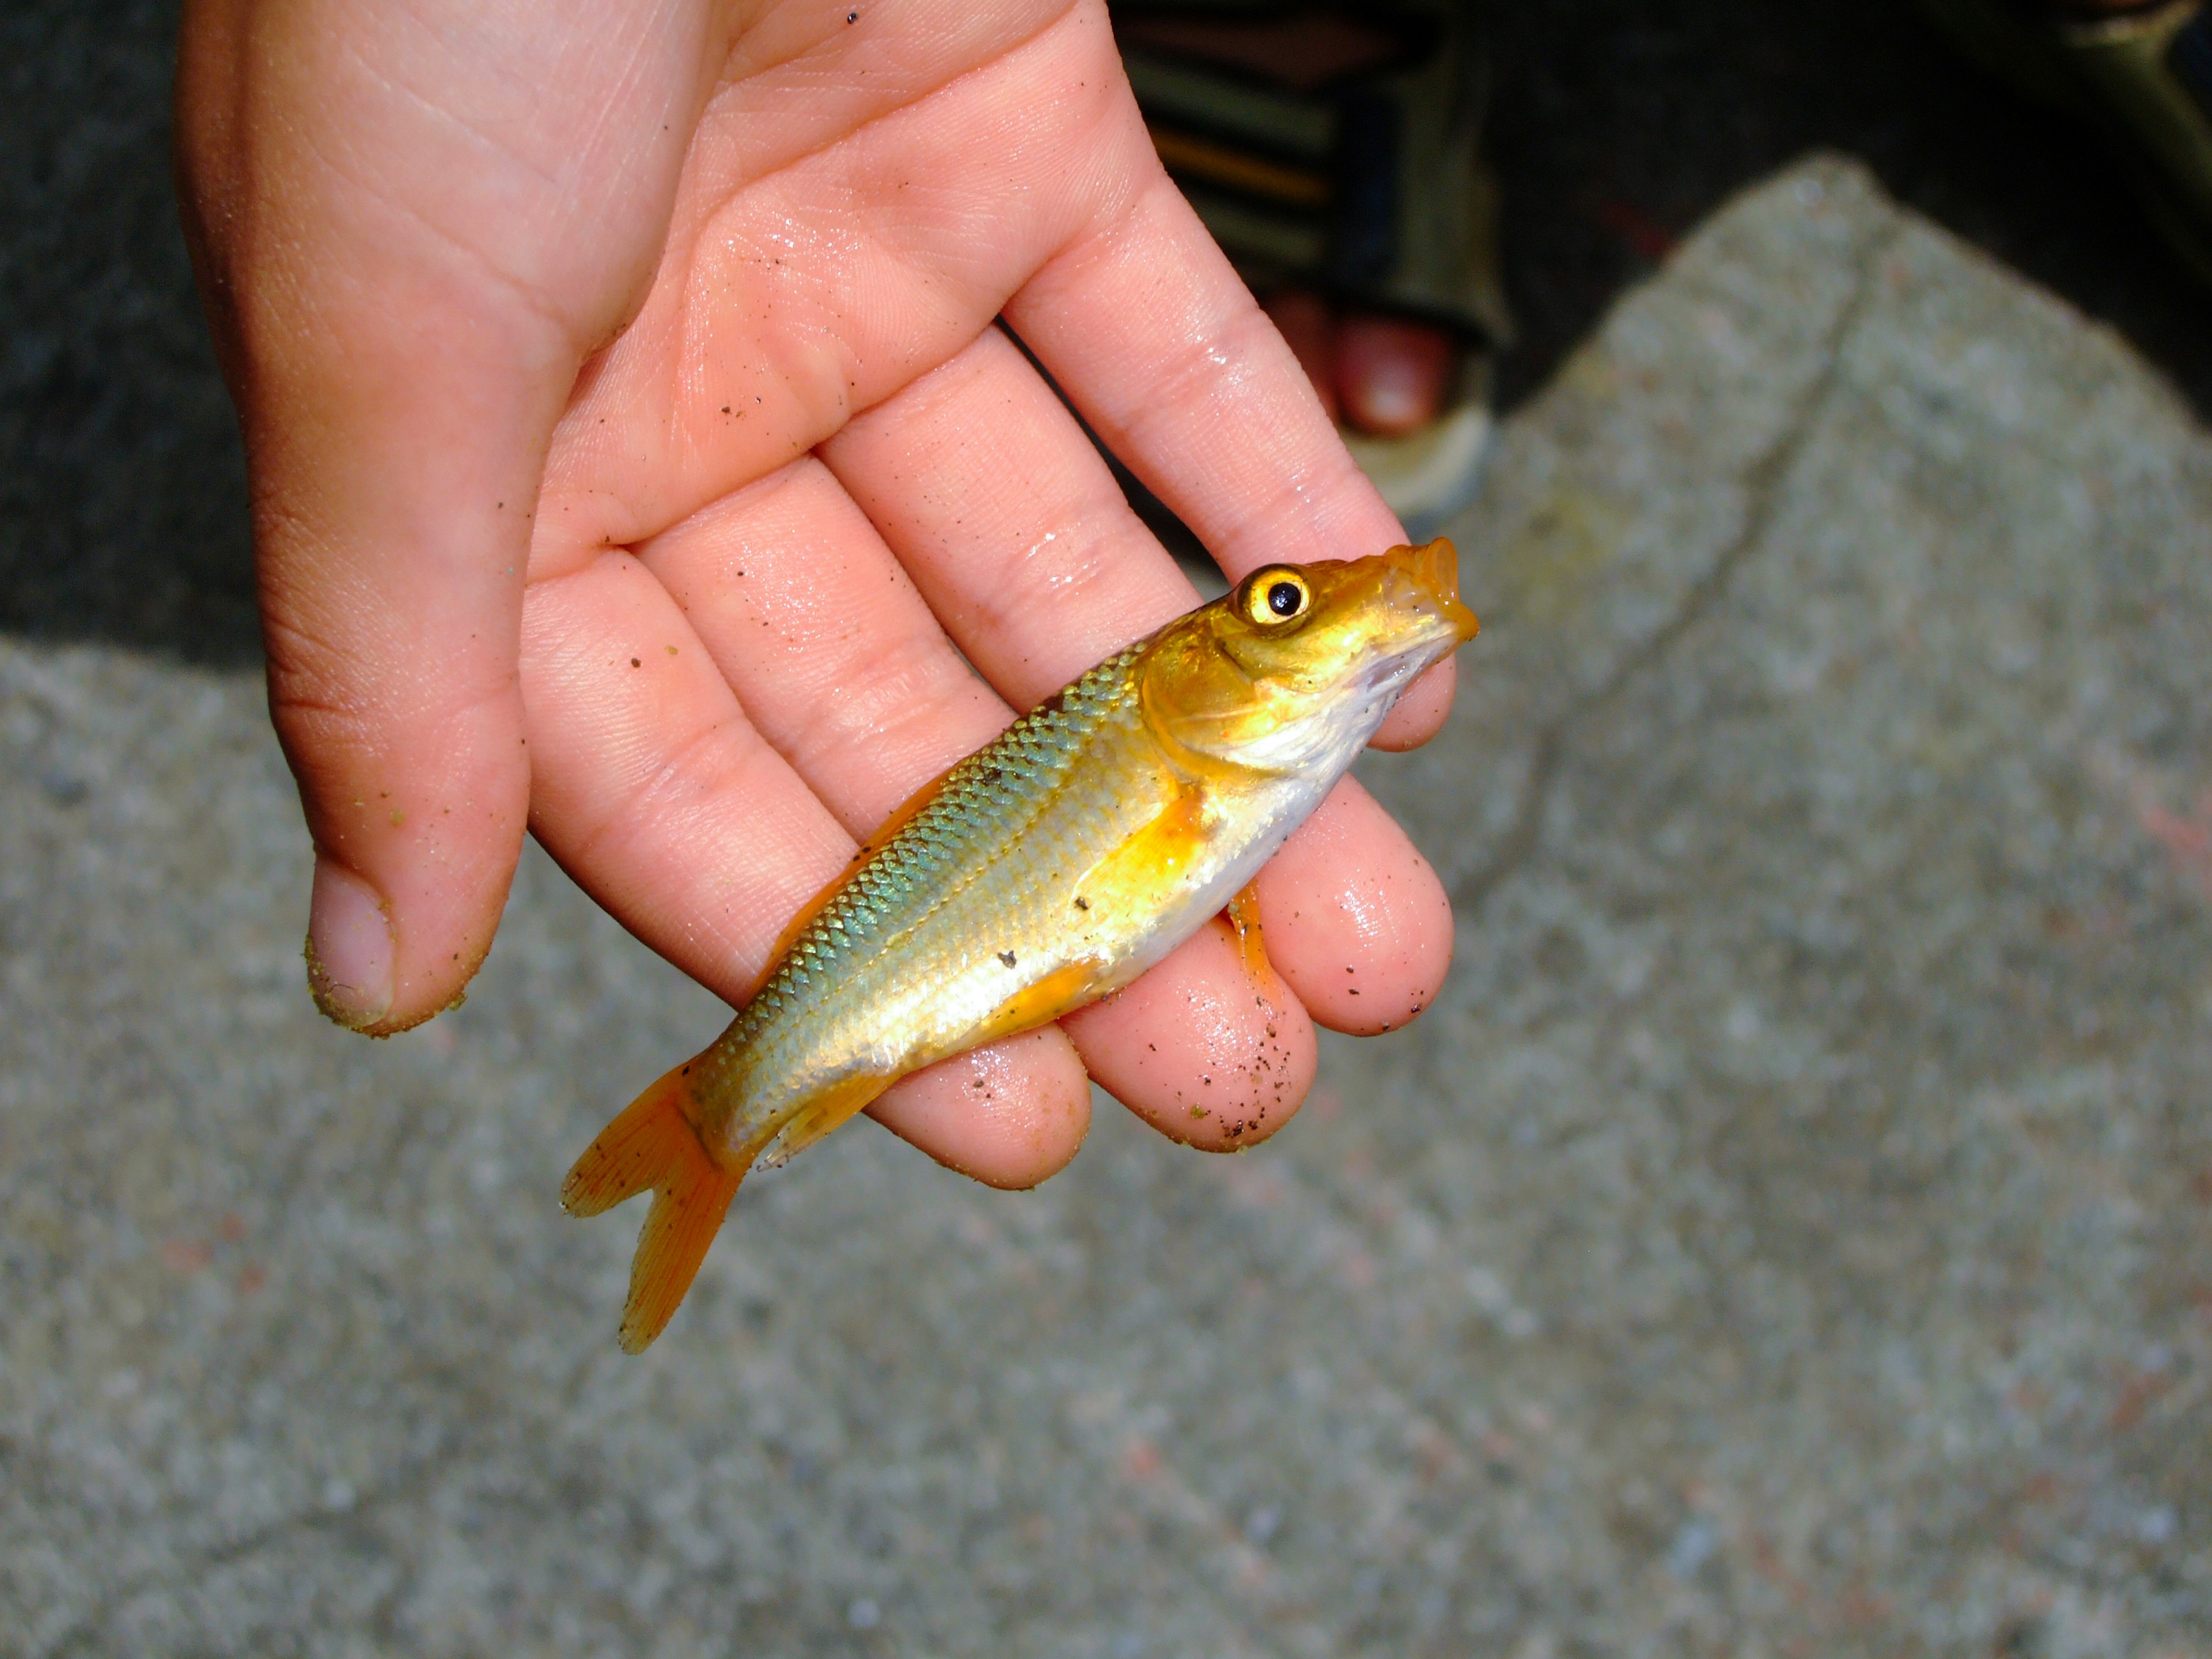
(1046, 870)
(936, 904)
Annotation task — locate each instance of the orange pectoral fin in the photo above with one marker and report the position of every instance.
(652, 1145)
(1243, 914)
(1150, 861)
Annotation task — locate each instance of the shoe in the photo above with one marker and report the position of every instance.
(1337, 150)
(2142, 74)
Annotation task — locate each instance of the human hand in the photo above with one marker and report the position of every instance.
(634, 457)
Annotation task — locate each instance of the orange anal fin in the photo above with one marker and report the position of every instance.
(652, 1146)
(1058, 993)
(825, 1112)
(1244, 914)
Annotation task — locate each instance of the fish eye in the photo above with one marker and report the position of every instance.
(1272, 598)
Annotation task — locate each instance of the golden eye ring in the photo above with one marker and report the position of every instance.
(1273, 596)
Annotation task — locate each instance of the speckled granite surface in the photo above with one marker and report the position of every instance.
(1792, 1232)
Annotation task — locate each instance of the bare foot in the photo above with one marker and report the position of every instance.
(1384, 375)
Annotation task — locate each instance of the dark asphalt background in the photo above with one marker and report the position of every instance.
(1617, 125)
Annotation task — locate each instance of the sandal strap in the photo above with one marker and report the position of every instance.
(1370, 184)
(2141, 75)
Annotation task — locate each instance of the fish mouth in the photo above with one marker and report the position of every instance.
(1421, 584)
(1421, 587)
(1434, 571)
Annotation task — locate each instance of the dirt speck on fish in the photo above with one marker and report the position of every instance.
(1046, 870)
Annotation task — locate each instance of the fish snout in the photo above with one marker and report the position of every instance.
(1433, 569)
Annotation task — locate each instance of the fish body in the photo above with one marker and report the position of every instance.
(1046, 870)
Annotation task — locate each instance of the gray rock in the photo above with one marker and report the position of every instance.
(1790, 1232)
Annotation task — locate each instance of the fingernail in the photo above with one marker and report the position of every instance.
(349, 948)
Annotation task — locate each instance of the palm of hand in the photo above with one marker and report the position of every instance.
(707, 598)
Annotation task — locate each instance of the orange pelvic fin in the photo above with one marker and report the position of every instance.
(1060, 992)
(652, 1145)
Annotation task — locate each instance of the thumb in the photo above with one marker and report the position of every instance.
(396, 385)
(392, 498)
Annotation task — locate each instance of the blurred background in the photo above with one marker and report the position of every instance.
(1792, 1233)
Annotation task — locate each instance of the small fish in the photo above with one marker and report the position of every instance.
(1047, 869)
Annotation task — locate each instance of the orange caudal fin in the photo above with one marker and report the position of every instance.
(652, 1146)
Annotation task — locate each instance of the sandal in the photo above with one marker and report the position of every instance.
(2140, 74)
(1337, 149)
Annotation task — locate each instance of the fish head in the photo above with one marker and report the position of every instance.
(1297, 665)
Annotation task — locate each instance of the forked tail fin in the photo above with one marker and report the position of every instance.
(652, 1144)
